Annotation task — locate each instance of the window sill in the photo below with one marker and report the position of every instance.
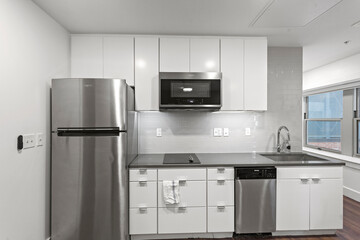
(337, 156)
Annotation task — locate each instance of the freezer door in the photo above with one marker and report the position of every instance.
(89, 103)
(89, 188)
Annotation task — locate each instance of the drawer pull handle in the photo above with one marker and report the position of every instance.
(220, 179)
(183, 206)
(142, 181)
(221, 169)
(221, 205)
(142, 170)
(143, 208)
(316, 179)
(182, 179)
(304, 180)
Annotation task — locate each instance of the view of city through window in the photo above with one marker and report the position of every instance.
(324, 115)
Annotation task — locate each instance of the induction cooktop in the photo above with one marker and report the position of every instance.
(181, 158)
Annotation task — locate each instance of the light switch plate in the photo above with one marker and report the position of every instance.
(158, 132)
(40, 140)
(29, 141)
(247, 131)
(226, 132)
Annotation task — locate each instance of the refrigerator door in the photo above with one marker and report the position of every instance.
(89, 103)
(89, 188)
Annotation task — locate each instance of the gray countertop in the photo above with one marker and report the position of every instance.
(226, 159)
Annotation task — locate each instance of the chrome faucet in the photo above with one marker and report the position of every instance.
(286, 143)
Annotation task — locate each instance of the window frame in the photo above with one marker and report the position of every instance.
(306, 120)
(355, 136)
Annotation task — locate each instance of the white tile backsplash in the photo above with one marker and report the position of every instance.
(193, 131)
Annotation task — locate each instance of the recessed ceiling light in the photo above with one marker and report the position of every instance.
(356, 24)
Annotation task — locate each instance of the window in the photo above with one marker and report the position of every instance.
(323, 120)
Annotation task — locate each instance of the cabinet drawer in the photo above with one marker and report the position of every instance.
(221, 219)
(220, 173)
(143, 174)
(182, 220)
(309, 172)
(192, 194)
(188, 174)
(143, 221)
(142, 194)
(220, 193)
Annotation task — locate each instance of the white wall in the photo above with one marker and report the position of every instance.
(341, 71)
(33, 49)
(192, 131)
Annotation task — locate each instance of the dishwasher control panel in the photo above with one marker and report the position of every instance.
(255, 173)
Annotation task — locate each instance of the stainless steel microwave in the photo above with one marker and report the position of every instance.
(190, 91)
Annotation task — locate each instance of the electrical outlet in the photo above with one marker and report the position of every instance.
(247, 131)
(29, 141)
(217, 132)
(226, 132)
(158, 132)
(40, 141)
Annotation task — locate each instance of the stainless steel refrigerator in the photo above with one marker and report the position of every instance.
(94, 137)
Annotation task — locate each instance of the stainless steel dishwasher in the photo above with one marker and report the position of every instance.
(255, 200)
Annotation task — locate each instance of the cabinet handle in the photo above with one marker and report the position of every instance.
(220, 179)
(304, 180)
(142, 170)
(182, 179)
(221, 205)
(143, 208)
(221, 169)
(316, 179)
(184, 206)
(142, 181)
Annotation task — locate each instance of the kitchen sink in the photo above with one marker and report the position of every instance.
(293, 157)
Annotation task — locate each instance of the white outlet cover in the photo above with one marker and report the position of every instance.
(158, 132)
(40, 140)
(226, 132)
(247, 131)
(28, 141)
(217, 132)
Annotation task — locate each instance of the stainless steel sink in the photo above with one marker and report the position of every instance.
(292, 157)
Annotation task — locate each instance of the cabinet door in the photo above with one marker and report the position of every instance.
(255, 74)
(326, 204)
(119, 58)
(147, 73)
(232, 68)
(86, 57)
(182, 220)
(204, 55)
(174, 54)
(292, 205)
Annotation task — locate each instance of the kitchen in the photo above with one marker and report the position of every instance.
(272, 75)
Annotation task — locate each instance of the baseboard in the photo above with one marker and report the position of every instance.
(304, 233)
(182, 236)
(351, 193)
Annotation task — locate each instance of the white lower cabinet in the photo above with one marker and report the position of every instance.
(206, 201)
(143, 201)
(221, 219)
(309, 198)
(182, 220)
(143, 221)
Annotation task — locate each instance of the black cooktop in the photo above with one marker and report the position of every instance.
(181, 158)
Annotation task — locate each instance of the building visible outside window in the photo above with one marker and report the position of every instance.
(323, 120)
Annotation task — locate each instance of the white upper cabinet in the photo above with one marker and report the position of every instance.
(86, 57)
(204, 55)
(119, 58)
(147, 73)
(255, 74)
(232, 68)
(174, 54)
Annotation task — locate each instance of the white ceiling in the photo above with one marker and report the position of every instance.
(324, 24)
